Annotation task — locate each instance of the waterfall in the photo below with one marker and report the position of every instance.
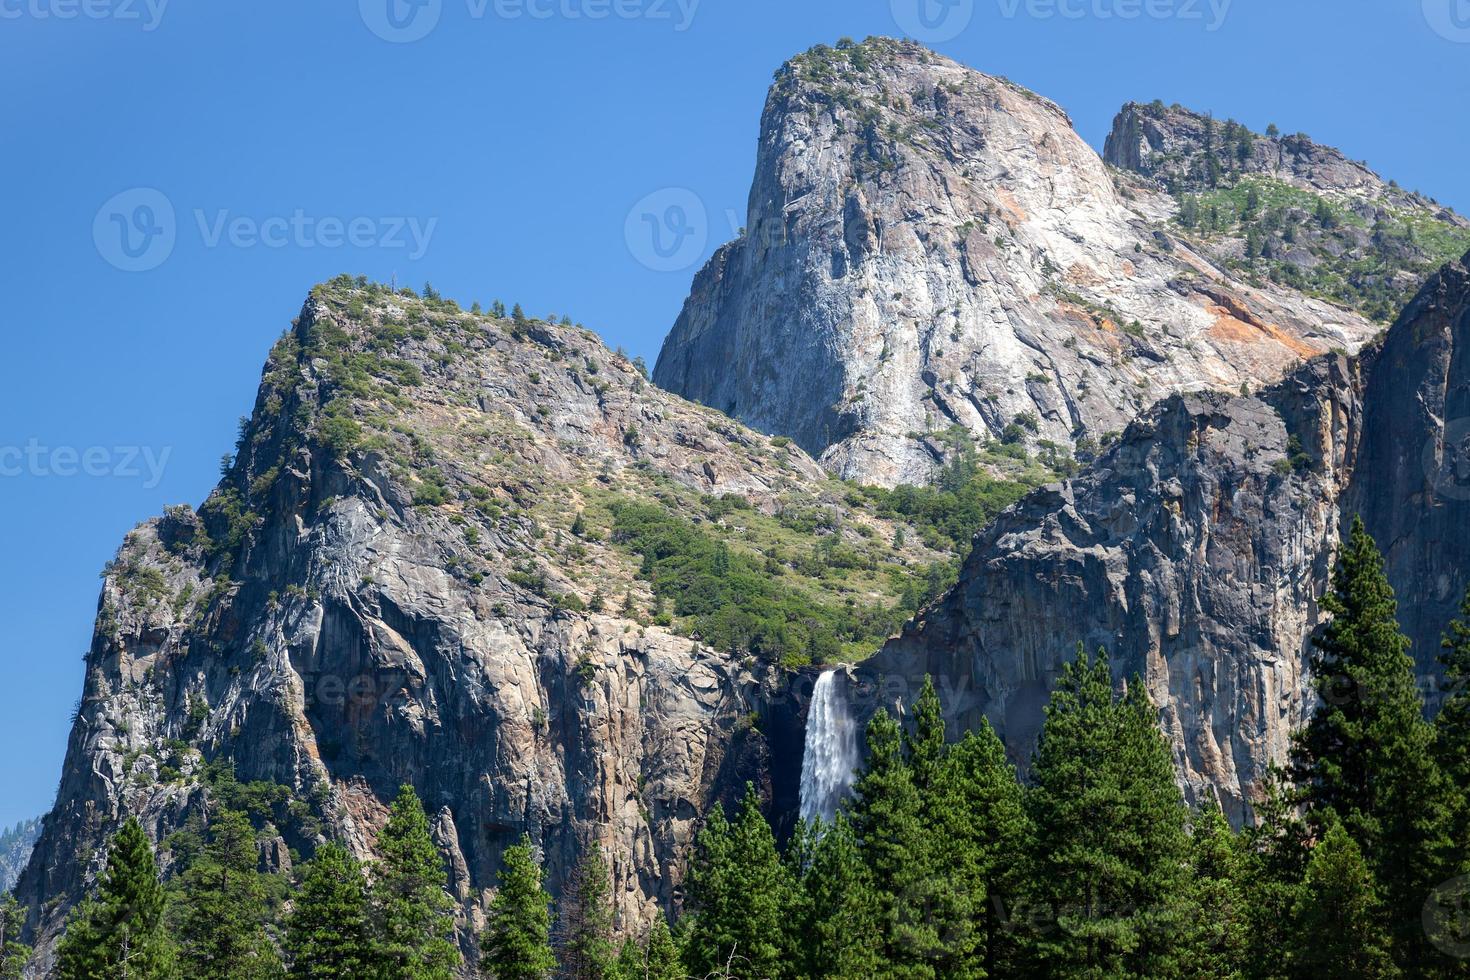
(831, 754)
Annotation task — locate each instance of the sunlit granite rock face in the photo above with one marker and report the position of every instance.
(931, 247)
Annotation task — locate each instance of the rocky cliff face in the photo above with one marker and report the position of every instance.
(1288, 209)
(1196, 549)
(393, 585)
(1175, 145)
(930, 247)
(1411, 481)
(15, 850)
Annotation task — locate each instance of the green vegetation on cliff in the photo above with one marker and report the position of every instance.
(1372, 260)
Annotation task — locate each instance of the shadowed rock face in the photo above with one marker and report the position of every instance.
(1411, 481)
(1196, 549)
(931, 247)
(415, 610)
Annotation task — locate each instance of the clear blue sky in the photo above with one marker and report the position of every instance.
(527, 140)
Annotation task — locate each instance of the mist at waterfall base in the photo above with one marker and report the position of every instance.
(831, 756)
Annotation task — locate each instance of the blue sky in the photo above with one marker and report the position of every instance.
(498, 155)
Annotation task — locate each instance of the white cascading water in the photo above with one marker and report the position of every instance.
(831, 754)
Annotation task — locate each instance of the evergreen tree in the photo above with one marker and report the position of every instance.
(584, 933)
(221, 915)
(1339, 921)
(328, 934)
(980, 823)
(1276, 854)
(119, 932)
(1246, 147)
(1252, 204)
(412, 913)
(1452, 725)
(1212, 161)
(925, 741)
(13, 955)
(894, 845)
(1189, 211)
(517, 944)
(1366, 756)
(661, 954)
(1222, 941)
(1111, 853)
(833, 933)
(740, 893)
(655, 958)
(630, 964)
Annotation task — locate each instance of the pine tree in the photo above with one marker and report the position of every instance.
(1365, 758)
(584, 931)
(1212, 161)
(630, 964)
(979, 819)
(221, 916)
(517, 944)
(119, 932)
(13, 955)
(925, 740)
(835, 929)
(328, 934)
(655, 958)
(412, 913)
(1339, 922)
(740, 893)
(1452, 725)
(1189, 211)
(894, 845)
(1110, 855)
(1222, 939)
(1276, 854)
